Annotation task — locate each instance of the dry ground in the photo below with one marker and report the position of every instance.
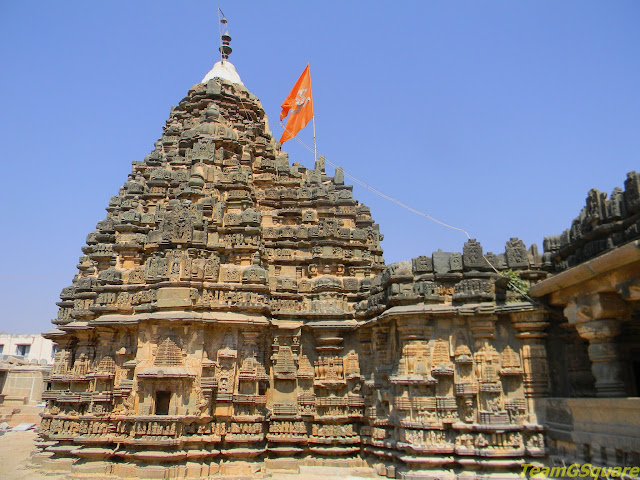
(15, 450)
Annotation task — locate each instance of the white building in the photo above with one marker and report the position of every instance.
(32, 347)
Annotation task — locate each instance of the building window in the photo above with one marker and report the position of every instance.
(1, 349)
(54, 350)
(23, 350)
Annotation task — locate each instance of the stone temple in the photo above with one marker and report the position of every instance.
(233, 315)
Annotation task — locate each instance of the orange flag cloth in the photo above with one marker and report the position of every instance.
(300, 104)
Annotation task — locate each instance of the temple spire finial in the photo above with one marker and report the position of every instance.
(225, 49)
(223, 69)
(225, 39)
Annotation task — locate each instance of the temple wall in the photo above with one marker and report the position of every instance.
(441, 387)
(451, 388)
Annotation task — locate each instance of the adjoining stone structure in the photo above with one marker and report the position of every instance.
(594, 346)
(25, 362)
(233, 311)
(21, 386)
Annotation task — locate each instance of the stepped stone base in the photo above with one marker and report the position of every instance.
(272, 468)
(14, 400)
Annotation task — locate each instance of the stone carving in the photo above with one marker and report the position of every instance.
(232, 305)
(602, 225)
(516, 254)
(168, 355)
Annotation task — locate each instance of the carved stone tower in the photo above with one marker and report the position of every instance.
(233, 311)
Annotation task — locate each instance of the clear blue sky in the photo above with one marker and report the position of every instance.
(495, 116)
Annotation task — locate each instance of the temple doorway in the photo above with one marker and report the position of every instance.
(163, 399)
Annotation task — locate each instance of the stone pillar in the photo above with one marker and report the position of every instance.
(483, 329)
(531, 327)
(413, 336)
(104, 341)
(531, 330)
(412, 330)
(86, 345)
(383, 353)
(597, 318)
(250, 340)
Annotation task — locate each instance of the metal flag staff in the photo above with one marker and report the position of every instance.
(313, 123)
(222, 21)
(225, 49)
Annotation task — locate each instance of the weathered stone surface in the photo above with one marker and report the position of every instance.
(232, 307)
(603, 224)
(594, 336)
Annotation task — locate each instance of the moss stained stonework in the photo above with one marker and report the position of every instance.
(234, 310)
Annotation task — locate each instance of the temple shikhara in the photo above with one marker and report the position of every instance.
(233, 315)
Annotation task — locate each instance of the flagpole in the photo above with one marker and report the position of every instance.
(313, 120)
(315, 149)
(221, 21)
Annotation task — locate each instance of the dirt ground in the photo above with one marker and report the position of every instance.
(17, 447)
(15, 451)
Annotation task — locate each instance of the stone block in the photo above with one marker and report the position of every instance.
(151, 472)
(237, 468)
(92, 469)
(41, 458)
(174, 297)
(196, 470)
(441, 262)
(288, 465)
(58, 464)
(125, 470)
(214, 468)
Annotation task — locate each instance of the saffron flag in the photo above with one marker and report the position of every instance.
(298, 105)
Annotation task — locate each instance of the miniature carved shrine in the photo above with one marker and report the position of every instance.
(233, 310)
